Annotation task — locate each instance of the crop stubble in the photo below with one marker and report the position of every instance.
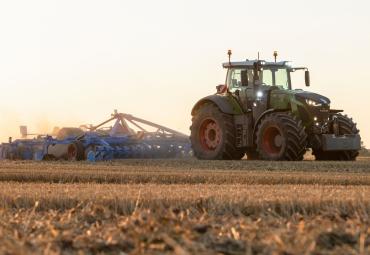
(182, 206)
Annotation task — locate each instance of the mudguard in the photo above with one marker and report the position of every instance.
(226, 103)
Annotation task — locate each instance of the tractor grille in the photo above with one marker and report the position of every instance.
(321, 113)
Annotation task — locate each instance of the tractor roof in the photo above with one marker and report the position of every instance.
(250, 63)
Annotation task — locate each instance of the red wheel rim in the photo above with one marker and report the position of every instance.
(272, 140)
(210, 134)
(72, 152)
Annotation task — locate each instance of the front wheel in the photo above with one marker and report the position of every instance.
(213, 134)
(281, 136)
(346, 126)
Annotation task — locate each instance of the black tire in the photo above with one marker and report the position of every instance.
(346, 126)
(281, 136)
(213, 134)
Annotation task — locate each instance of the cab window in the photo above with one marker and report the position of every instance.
(235, 81)
(239, 78)
(276, 77)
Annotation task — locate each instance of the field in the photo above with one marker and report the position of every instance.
(185, 207)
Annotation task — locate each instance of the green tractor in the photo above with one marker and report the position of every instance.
(258, 113)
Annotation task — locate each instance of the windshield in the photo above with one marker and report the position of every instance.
(276, 77)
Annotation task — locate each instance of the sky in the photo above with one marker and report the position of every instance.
(66, 63)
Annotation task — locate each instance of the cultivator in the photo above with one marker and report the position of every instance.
(128, 137)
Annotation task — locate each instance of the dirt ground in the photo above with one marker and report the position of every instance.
(185, 207)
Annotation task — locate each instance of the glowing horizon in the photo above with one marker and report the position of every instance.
(66, 63)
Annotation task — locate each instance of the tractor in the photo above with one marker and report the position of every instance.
(258, 113)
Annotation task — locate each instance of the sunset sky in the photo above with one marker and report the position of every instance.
(66, 63)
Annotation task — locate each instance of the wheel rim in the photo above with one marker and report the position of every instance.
(72, 152)
(272, 141)
(210, 134)
(88, 149)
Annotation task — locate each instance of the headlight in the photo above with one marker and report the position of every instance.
(313, 103)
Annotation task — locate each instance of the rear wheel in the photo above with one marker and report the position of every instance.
(346, 126)
(213, 134)
(281, 136)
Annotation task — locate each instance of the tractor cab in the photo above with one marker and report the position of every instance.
(257, 72)
(258, 85)
(251, 78)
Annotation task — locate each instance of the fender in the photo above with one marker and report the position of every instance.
(226, 103)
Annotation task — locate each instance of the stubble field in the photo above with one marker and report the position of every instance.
(185, 207)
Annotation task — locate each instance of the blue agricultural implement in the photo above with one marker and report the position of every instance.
(127, 138)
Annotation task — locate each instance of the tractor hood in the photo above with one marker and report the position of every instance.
(303, 95)
(282, 99)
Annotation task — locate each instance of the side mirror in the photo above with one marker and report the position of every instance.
(244, 78)
(307, 78)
